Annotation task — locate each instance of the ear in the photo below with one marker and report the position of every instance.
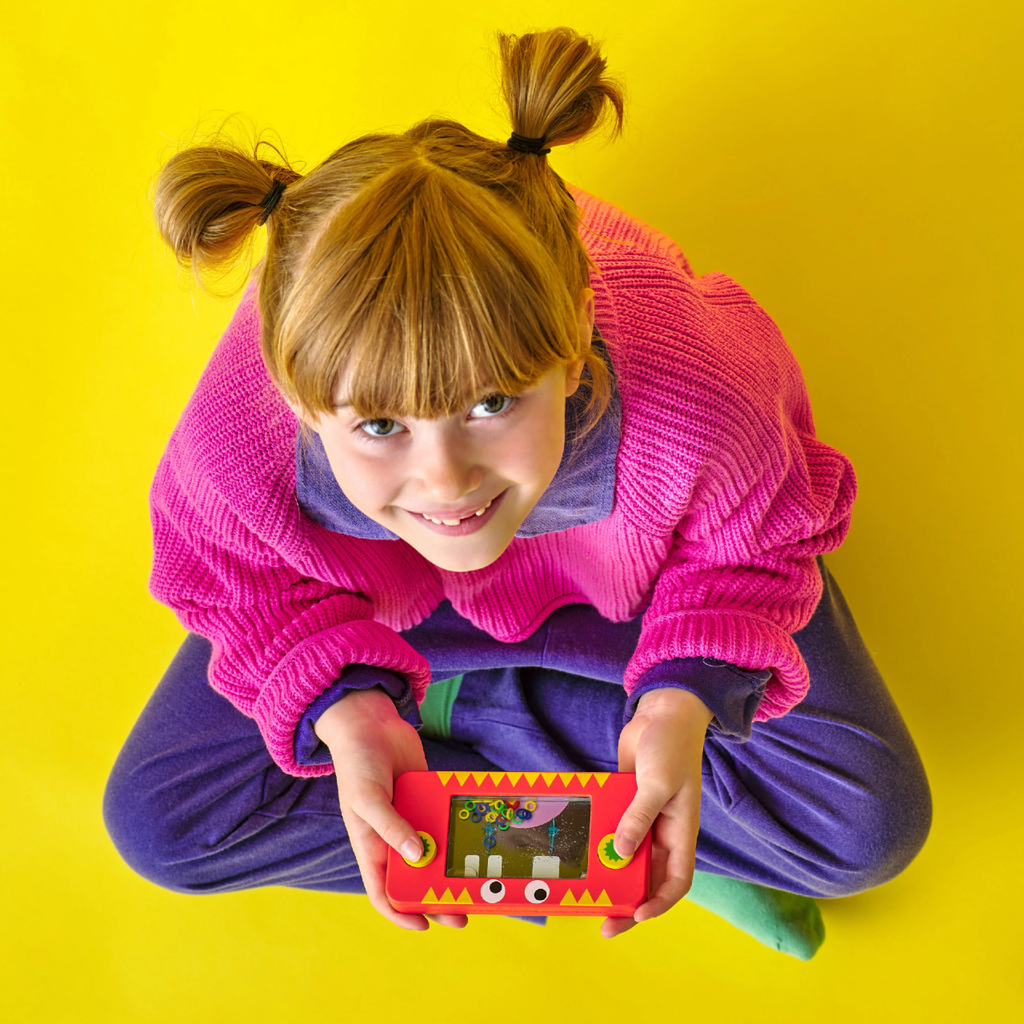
(586, 323)
(586, 303)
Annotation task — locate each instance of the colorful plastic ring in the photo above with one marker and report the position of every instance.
(476, 816)
(531, 805)
(503, 825)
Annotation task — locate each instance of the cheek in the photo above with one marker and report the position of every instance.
(364, 479)
(539, 446)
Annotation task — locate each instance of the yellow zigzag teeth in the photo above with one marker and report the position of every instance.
(586, 900)
(447, 897)
(531, 777)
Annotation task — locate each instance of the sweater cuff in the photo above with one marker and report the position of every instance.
(733, 694)
(309, 748)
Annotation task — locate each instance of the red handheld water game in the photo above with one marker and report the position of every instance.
(517, 843)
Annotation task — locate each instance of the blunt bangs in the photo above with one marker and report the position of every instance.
(424, 293)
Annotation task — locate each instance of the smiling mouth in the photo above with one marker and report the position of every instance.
(455, 522)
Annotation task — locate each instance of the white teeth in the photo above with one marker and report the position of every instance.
(455, 522)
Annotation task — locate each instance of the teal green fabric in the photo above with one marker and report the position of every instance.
(780, 920)
(436, 709)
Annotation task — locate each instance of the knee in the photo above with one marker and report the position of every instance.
(140, 831)
(878, 833)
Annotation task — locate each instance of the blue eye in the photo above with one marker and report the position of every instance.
(494, 405)
(380, 428)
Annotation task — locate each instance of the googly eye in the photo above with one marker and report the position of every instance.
(492, 891)
(537, 891)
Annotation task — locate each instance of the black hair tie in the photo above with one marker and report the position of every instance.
(525, 145)
(269, 201)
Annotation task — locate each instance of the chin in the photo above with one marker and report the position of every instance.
(465, 564)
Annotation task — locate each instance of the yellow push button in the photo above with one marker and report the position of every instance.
(429, 851)
(607, 855)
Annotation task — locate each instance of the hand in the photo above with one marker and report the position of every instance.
(663, 744)
(371, 745)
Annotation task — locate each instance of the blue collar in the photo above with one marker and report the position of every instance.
(582, 491)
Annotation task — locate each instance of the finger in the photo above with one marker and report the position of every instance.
(449, 920)
(371, 855)
(372, 803)
(672, 856)
(612, 926)
(640, 815)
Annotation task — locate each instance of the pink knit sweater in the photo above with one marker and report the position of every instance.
(723, 497)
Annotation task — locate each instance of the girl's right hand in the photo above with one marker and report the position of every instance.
(371, 745)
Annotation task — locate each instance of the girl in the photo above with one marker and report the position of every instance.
(473, 425)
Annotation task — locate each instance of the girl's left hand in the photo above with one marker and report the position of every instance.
(663, 744)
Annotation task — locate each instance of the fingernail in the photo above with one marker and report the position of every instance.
(411, 849)
(625, 846)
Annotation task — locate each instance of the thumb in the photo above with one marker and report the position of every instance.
(636, 822)
(370, 802)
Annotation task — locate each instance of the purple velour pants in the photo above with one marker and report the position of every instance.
(828, 800)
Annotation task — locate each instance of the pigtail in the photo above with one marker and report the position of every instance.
(557, 92)
(207, 202)
(555, 86)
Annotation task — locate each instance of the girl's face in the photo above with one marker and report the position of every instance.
(457, 488)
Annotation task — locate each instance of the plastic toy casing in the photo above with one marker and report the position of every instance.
(485, 853)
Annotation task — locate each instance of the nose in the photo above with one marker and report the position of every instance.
(447, 468)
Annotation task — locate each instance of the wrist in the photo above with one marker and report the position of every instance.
(366, 705)
(667, 699)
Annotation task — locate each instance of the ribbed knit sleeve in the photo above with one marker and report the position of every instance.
(279, 639)
(237, 562)
(757, 496)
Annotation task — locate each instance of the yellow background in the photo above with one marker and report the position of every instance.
(857, 166)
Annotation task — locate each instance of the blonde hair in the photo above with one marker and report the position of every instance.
(428, 267)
